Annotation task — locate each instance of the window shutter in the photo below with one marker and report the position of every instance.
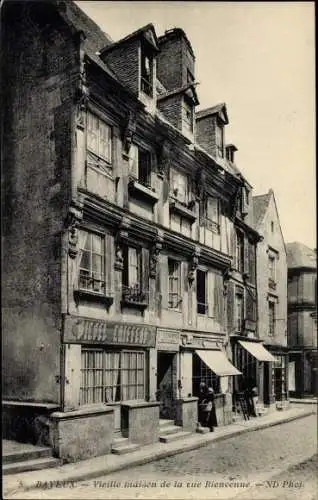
(211, 293)
(108, 262)
(230, 306)
(133, 161)
(246, 259)
(145, 271)
(218, 298)
(213, 209)
(252, 262)
(164, 278)
(250, 306)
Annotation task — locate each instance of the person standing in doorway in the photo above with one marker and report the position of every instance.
(210, 414)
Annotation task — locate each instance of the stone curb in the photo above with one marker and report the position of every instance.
(195, 443)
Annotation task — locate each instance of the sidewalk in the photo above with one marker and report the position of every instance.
(107, 464)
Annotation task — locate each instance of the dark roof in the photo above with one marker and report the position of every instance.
(183, 89)
(96, 39)
(299, 255)
(231, 146)
(212, 111)
(141, 31)
(260, 204)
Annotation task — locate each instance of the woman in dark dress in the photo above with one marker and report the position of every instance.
(210, 419)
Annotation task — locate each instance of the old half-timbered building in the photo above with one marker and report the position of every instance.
(129, 251)
(272, 300)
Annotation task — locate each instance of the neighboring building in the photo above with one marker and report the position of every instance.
(128, 246)
(271, 273)
(302, 319)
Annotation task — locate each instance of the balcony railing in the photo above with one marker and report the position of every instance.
(134, 296)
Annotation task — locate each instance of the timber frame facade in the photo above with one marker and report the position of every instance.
(148, 242)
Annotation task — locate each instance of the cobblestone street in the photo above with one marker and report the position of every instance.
(220, 470)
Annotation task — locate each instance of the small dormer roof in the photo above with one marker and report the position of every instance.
(146, 33)
(231, 147)
(188, 90)
(218, 109)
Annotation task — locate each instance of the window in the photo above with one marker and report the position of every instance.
(132, 275)
(109, 376)
(271, 318)
(146, 72)
(179, 186)
(99, 138)
(210, 214)
(202, 373)
(239, 311)
(272, 226)
(239, 252)
(174, 271)
(202, 295)
(140, 165)
(272, 268)
(187, 112)
(219, 140)
(91, 262)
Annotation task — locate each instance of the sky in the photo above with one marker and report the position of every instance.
(258, 58)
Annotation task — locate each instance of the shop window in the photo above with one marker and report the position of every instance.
(146, 83)
(210, 214)
(91, 262)
(271, 318)
(239, 311)
(202, 292)
(174, 270)
(110, 376)
(179, 186)
(99, 143)
(140, 165)
(202, 373)
(239, 252)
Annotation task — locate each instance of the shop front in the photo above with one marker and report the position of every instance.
(111, 365)
(255, 363)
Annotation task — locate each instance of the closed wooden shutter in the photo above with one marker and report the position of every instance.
(164, 279)
(211, 293)
(250, 305)
(219, 299)
(145, 271)
(230, 307)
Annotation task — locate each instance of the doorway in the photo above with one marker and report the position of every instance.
(165, 383)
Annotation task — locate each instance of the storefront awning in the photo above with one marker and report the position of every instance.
(218, 363)
(257, 350)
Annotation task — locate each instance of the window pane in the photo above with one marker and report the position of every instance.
(85, 260)
(96, 243)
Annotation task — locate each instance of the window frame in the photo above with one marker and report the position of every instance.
(206, 220)
(170, 279)
(271, 318)
(239, 318)
(108, 160)
(206, 292)
(102, 255)
(174, 185)
(134, 165)
(146, 82)
(239, 251)
(90, 377)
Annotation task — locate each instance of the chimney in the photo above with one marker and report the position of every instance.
(210, 124)
(176, 73)
(230, 152)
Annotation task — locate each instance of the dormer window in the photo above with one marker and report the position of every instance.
(140, 165)
(219, 140)
(187, 111)
(146, 83)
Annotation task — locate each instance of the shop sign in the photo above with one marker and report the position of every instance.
(168, 337)
(92, 331)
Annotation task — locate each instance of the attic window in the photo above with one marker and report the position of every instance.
(272, 226)
(219, 140)
(146, 83)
